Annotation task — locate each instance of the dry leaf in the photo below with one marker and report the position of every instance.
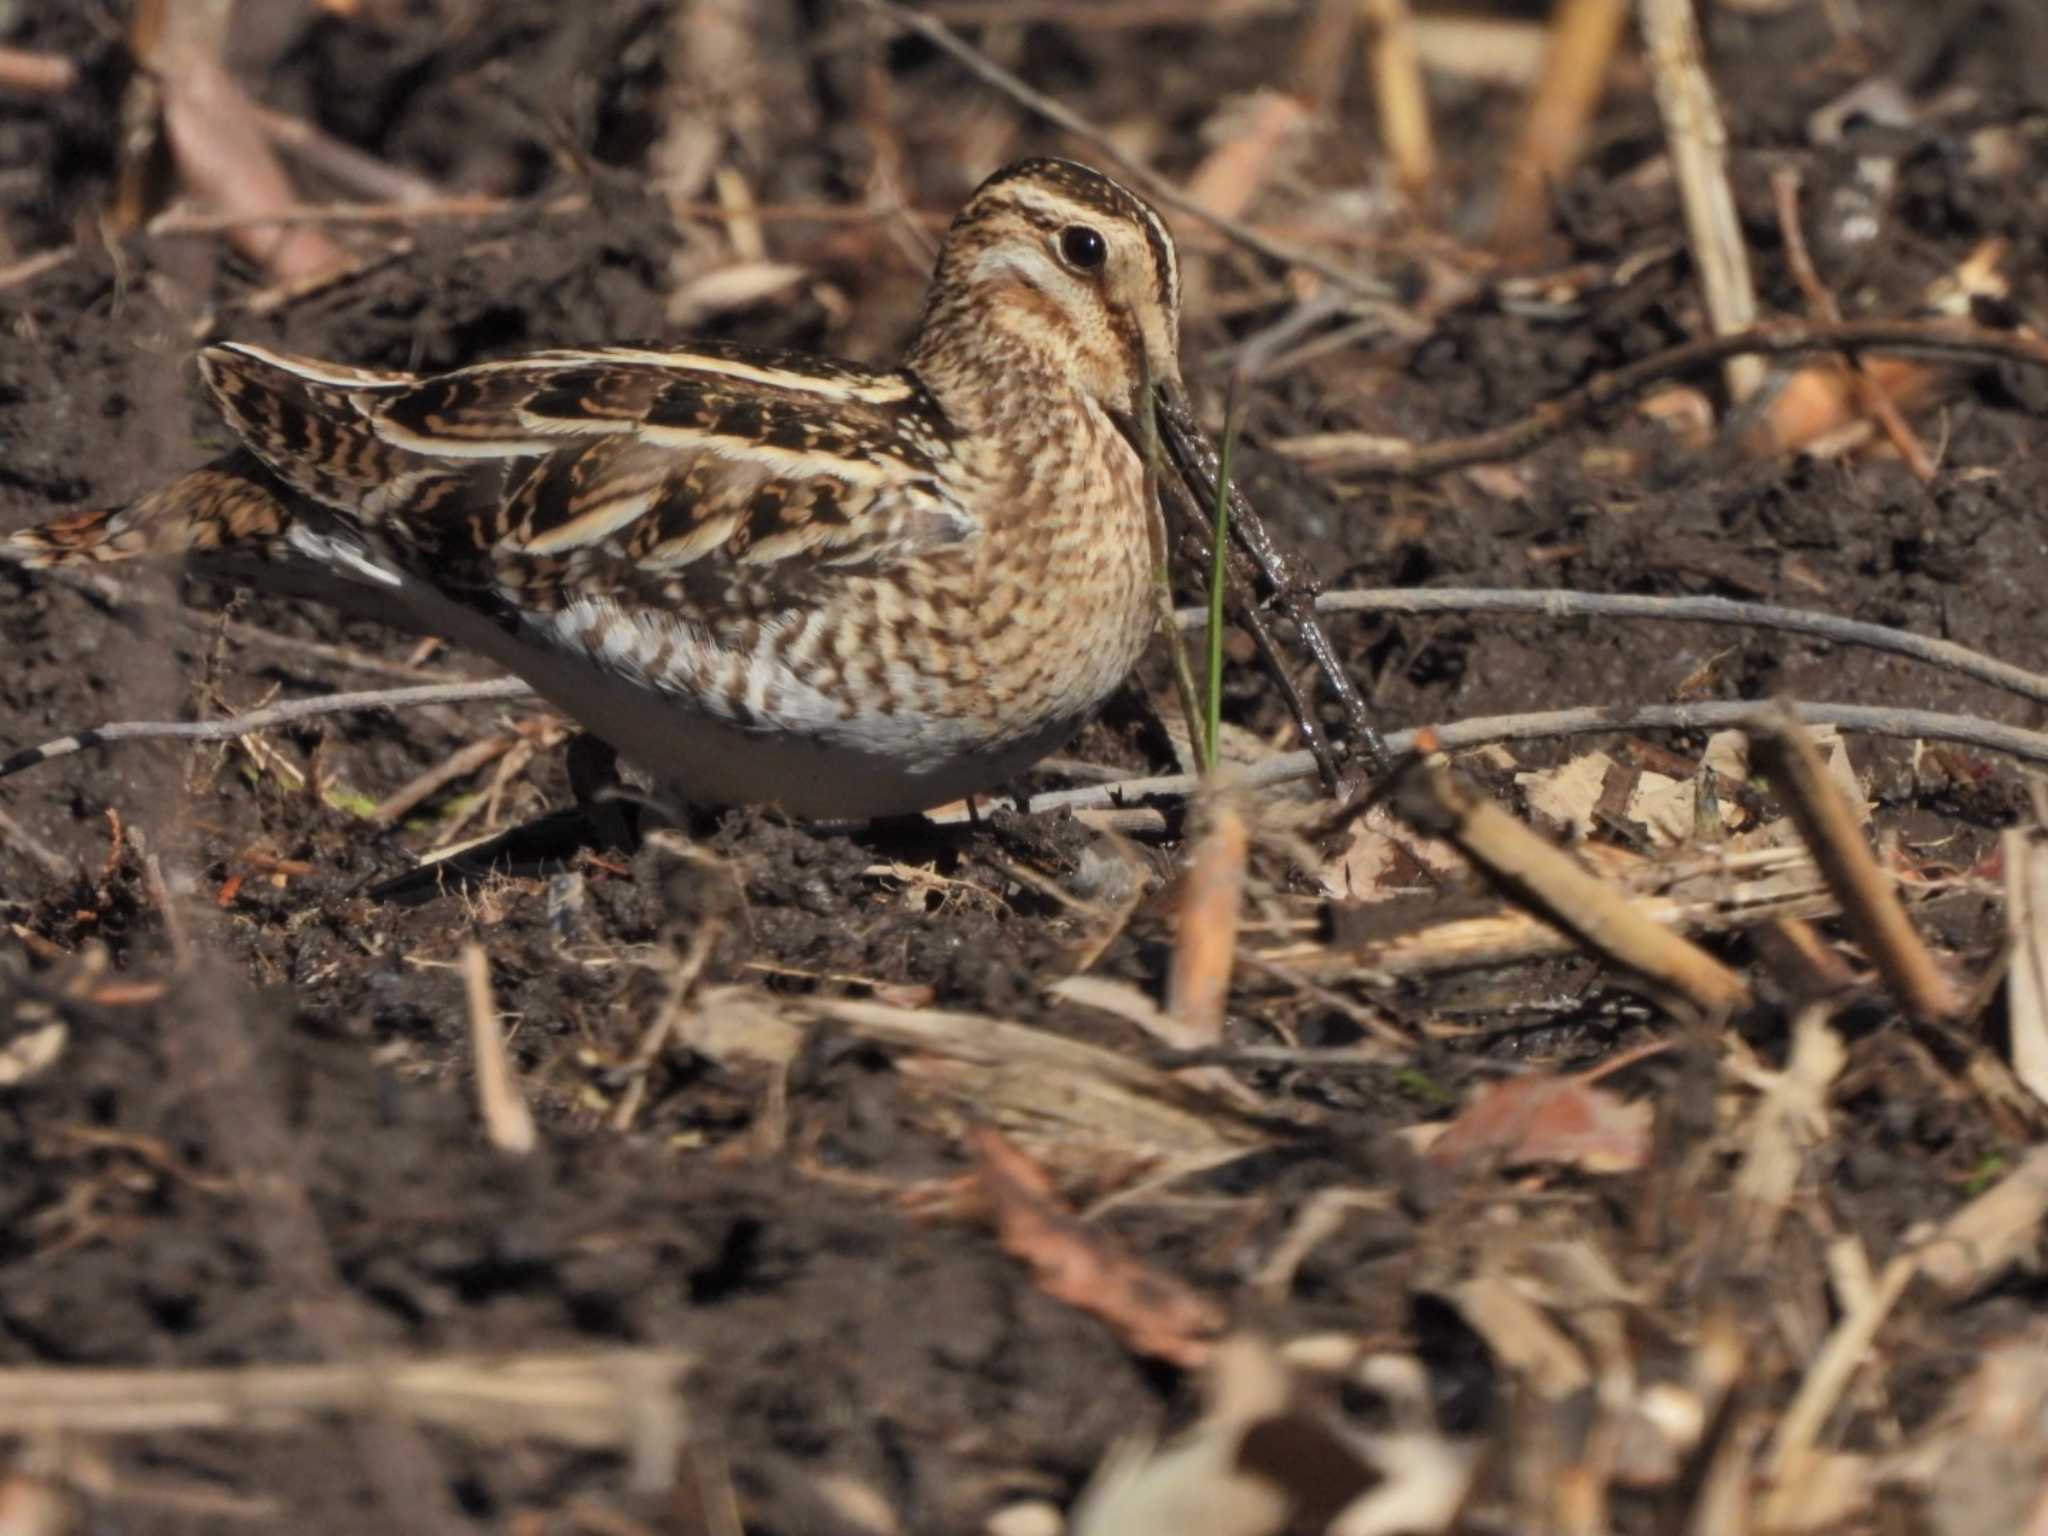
(1562, 1120)
(1664, 806)
(1569, 795)
(1154, 1314)
(1382, 857)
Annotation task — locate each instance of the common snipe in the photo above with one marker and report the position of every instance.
(763, 577)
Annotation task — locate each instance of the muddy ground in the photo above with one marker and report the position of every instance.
(260, 1144)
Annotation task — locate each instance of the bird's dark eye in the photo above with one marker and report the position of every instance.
(1083, 248)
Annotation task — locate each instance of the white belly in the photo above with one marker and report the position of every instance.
(707, 761)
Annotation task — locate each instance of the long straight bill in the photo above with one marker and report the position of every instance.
(1196, 462)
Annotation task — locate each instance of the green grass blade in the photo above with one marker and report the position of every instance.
(1212, 714)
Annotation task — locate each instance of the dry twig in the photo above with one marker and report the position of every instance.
(458, 764)
(507, 1121)
(1157, 187)
(1560, 604)
(216, 136)
(1874, 392)
(1433, 800)
(623, 1399)
(1583, 34)
(1205, 945)
(36, 74)
(1699, 159)
(1153, 1313)
(266, 719)
(1870, 905)
(1398, 95)
(1290, 767)
(1354, 453)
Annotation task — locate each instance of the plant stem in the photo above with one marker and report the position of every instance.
(1212, 720)
(1183, 673)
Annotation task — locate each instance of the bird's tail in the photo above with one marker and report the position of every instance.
(307, 442)
(223, 508)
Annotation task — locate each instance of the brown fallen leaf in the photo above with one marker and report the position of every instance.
(1563, 1120)
(1153, 1314)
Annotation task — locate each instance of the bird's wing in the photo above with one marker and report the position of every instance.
(704, 480)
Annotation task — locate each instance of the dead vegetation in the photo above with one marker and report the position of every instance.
(1514, 1133)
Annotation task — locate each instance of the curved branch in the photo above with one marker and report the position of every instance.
(1872, 720)
(1774, 338)
(264, 719)
(1945, 654)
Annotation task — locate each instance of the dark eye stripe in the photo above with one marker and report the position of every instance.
(1163, 263)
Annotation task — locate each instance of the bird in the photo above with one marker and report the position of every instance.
(762, 577)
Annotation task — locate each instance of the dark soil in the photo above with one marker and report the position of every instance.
(267, 1150)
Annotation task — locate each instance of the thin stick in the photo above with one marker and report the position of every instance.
(456, 206)
(29, 268)
(14, 835)
(1845, 1352)
(1699, 159)
(343, 162)
(266, 719)
(458, 764)
(599, 1399)
(1598, 719)
(1583, 34)
(216, 140)
(507, 1121)
(482, 205)
(51, 74)
(1398, 94)
(36, 74)
(1160, 189)
(1821, 305)
(1563, 891)
(1945, 654)
(1870, 904)
(1772, 338)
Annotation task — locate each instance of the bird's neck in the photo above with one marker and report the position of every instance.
(999, 358)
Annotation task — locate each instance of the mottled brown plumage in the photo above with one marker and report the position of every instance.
(763, 577)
